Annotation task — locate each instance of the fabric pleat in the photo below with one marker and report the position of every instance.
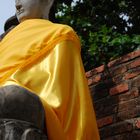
(44, 58)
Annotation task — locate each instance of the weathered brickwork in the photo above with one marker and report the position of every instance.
(115, 89)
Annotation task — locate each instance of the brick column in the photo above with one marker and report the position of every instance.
(115, 90)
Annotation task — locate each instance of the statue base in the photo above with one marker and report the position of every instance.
(11, 129)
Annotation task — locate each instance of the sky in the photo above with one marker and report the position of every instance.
(7, 9)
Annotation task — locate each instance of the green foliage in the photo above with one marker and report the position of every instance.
(107, 29)
(106, 45)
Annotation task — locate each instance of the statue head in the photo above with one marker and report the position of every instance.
(32, 9)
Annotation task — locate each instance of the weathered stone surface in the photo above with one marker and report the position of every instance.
(22, 115)
(19, 130)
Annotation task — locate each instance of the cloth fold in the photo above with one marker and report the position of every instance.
(44, 58)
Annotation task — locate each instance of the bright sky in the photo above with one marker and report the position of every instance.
(7, 9)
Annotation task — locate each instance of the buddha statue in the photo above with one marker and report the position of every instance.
(43, 90)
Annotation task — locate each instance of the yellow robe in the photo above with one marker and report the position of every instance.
(44, 58)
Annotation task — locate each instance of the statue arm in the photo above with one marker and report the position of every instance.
(68, 94)
(59, 80)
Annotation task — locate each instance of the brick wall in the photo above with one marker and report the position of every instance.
(115, 89)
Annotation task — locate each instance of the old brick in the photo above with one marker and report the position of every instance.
(119, 89)
(118, 78)
(128, 114)
(117, 128)
(114, 62)
(116, 114)
(105, 121)
(89, 81)
(131, 55)
(135, 72)
(124, 58)
(94, 79)
(118, 70)
(137, 123)
(135, 82)
(98, 70)
(134, 64)
(127, 105)
(89, 74)
(130, 75)
(128, 135)
(133, 93)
